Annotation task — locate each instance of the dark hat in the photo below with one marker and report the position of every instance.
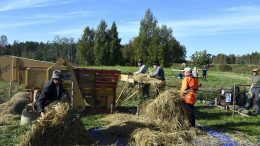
(140, 61)
(156, 62)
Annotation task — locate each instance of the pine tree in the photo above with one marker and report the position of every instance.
(146, 32)
(101, 45)
(115, 47)
(85, 48)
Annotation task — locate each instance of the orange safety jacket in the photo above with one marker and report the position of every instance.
(189, 89)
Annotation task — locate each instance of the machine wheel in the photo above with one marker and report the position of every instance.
(18, 107)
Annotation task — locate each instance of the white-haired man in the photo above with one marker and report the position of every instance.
(188, 93)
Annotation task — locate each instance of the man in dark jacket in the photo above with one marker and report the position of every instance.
(52, 90)
(254, 92)
(159, 74)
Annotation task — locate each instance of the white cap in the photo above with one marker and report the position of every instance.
(187, 69)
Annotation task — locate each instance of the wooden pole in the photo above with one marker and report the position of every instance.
(234, 96)
(10, 89)
(111, 108)
(138, 99)
(11, 82)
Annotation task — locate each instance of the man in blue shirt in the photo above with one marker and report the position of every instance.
(159, 74)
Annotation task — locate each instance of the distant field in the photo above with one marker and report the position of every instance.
(211, 117)
(216, 79)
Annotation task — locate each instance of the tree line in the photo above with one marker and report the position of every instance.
(253, 58)
(102, 46)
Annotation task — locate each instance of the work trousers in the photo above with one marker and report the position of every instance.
(146, 91)
(191, 114)
(256, 93)
(254, 100)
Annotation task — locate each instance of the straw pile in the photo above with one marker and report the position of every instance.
(167, 111)
(149, 137)
(144, 78)
(124, 124)
(162, 121)
(5, 108)
(57, 127)
(244, 139)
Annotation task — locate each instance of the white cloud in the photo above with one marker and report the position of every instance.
(18, 21)
(234, 20)
(73, 31)
(249, 8)
(7, 5)
(20, 24)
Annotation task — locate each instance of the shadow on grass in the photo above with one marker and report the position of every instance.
(202, 112)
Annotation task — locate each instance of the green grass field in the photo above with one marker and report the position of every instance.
(208, 116)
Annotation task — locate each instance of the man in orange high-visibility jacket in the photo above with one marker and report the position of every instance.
(188, 93)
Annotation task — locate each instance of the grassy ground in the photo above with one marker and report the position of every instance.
(240, 127)
(92, 121)
(207, 116)
(11, 135)
(4, 90)
(210, 115)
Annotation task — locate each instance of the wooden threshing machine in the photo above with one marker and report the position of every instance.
(93, 87)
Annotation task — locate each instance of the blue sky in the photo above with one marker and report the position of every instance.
(218, 26)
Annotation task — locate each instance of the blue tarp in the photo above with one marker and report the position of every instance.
(107, 140)
(223, 138)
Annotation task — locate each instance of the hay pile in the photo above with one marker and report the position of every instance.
(144, 78)
(5, 108)
(59, 126)
(124, 124)
(167, 111)
(144, 137)
(244, 139)
(162, 121)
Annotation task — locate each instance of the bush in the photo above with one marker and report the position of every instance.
(225, 67)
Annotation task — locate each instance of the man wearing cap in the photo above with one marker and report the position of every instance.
(52, 90)
(159, 74)
(188, 93)
(254, 92)
(142, 70)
